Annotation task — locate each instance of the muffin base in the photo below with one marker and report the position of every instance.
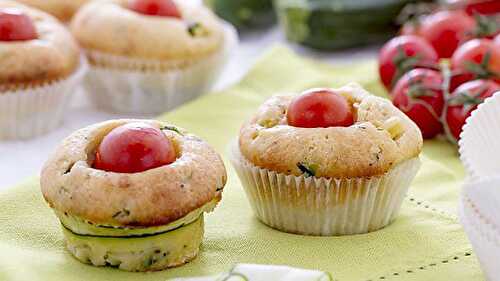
(135, 86)
(36, 110)
(147, 253)
(324, 206)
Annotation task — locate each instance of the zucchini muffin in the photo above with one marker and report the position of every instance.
(121, 205)
(62, 9)
(40, 66)
(311, 171)
(146, 60)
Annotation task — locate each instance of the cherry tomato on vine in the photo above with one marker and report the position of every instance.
(134, 147)
(464, 100)
(320, 108)
(419, 94)
(16, 26)
(164, 8)
(476, 59)
(403, 53)
(485, 7)
(445, 30)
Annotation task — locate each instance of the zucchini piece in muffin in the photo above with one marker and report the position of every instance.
(132, 194)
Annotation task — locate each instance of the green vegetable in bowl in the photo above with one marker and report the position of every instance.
(337, 24)
(244, 14)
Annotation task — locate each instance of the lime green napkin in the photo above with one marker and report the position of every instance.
(425, 243)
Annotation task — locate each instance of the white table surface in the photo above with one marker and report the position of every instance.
(22, 159)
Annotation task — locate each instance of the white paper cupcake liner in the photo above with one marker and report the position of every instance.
(30, 112)
(479, 145)
(323, 206)
(478, 212)
(159, 86)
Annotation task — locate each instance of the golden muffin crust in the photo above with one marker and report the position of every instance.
(62, 9)
(151, 198)
(52, 56)
(381, 137)
(109, 27)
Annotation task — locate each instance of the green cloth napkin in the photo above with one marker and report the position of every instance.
(426, 242)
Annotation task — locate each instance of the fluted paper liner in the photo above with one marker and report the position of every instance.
(324, 206)
(152, 87)
(478, 212)
(36, 110)
(479, 145)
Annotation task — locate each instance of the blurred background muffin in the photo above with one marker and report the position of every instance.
(62, 9)
(149, 56)
(40, 67)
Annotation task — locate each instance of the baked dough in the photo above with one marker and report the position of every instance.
(62, 9)
(109, 27)
(52, 56)
(381, 137)
(151, 198)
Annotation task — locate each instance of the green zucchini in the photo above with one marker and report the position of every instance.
(146, 253)
(338, 24)
(244, 14)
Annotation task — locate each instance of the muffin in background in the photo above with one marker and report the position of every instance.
(40, 67)
(150, 61)
(327, 161)
(62, 9)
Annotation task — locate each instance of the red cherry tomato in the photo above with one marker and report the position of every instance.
(403, 53)
(419, 94)
(16, 26)
(445, 30)
(134, 147)
(320, 108)
(476, 59)
(464, 100)
(164, 8)
(485, 7)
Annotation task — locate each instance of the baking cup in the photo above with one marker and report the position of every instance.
(478, 212)
(34, 111)
(324, 206)
(479, 145)
(124, 85)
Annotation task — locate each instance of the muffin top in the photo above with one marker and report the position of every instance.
(154, 197)
(113, 28)
(379, 138)
(51, 54)
(62, 9)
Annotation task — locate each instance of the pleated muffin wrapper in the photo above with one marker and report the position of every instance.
(479, 146)
(124, 85)
(478, 211)
(35, 110)
(324, 206)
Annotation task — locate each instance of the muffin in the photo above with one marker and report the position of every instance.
(62, 9)
(147, 61)
(40, 66)
(132, 194)
(327, 161)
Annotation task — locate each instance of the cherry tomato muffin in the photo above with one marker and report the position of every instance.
(327, 161)
(40, 65)
(62, 9)
(149, 56)
(132, 194)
